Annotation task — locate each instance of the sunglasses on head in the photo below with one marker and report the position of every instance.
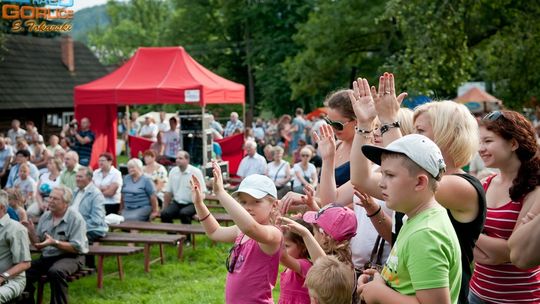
(323, 209)
(338, 125)
(493, 116)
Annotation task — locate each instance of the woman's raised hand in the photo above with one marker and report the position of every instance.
(363, 104)
(326, 142)
(387, 104)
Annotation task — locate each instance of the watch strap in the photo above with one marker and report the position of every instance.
(386, 127)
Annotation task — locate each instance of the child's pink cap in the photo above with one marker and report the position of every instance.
(337, 221)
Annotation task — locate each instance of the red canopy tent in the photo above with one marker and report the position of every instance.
(154, 75)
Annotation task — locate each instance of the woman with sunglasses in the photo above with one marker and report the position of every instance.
(507, 142)
(454, 129)
(342, 119)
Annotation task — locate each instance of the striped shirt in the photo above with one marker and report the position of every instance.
(504, 283)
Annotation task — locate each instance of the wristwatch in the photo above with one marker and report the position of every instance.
(5, 275)
(386, 127)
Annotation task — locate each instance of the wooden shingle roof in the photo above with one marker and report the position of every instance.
(32, 74)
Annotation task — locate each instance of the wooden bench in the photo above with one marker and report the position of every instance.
(118, 251)
(220, 217)
(161, 227)
(83, 272)
(148, 240)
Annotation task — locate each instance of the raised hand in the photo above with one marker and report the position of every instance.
(309, 199)
(366, 202)
(287, 223)
(197, 195)
(326, 142)
(290, 199)
(387, 104)
(363, 104)
(217, 184)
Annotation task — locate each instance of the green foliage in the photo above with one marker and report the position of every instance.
(340, 40)
(435, 58)
(295, 51)
(134, 24)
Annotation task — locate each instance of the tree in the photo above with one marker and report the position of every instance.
(340, 40)
(133, 24)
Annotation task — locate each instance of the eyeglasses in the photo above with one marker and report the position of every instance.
(305, 155)
(230, 262)
(493, 116)
(338, 125)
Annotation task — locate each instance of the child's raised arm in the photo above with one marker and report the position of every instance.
(268, 236)
(210, 224)
(314, 249)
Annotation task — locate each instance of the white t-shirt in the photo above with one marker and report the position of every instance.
(150, 129)
(164, 126)
(172, 142)
(46, 184)
(306, 174)
(366, 235)
(273, 172)
(255, 164)
(114, 176)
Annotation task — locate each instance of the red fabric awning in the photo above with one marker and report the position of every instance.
(160, 76)
(154, 75)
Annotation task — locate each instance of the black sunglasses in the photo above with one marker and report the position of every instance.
(231, 260)
(493, 116)
(338, 125)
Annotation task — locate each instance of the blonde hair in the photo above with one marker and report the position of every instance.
(406, 118)
(330, 281)
(342, 250)
(277, 149)
(455, 129)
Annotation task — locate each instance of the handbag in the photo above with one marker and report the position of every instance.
(377, 251)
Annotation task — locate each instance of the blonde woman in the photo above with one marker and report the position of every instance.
(305, 172)
(454, 129)
(279, 171)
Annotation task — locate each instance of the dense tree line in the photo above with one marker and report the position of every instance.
(292, 53)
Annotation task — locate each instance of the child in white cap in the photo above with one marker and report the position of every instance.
(253, 261)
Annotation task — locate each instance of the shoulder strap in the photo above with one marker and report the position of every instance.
(374, 250)
(277, 172)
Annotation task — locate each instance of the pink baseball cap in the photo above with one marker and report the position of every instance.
(337, 221)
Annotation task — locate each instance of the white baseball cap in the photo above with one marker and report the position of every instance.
(420, 149)
(257, 186)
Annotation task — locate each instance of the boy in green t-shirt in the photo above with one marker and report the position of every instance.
(424, 265)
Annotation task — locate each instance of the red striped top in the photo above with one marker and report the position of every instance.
(504, 283)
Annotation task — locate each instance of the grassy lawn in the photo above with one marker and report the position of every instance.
(199, 278)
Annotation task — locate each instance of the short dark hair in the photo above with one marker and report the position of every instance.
(24, 153)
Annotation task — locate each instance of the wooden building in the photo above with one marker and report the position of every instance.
(37, 77)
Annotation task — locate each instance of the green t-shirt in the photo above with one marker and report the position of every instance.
(426, 255)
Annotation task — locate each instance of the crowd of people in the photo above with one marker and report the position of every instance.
(367, 203)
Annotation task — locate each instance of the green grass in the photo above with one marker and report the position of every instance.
(199, 278)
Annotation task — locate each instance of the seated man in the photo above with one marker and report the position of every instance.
(61, 237)
(89, 202)
(177, 202)
(14, 254)
(252, 163)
